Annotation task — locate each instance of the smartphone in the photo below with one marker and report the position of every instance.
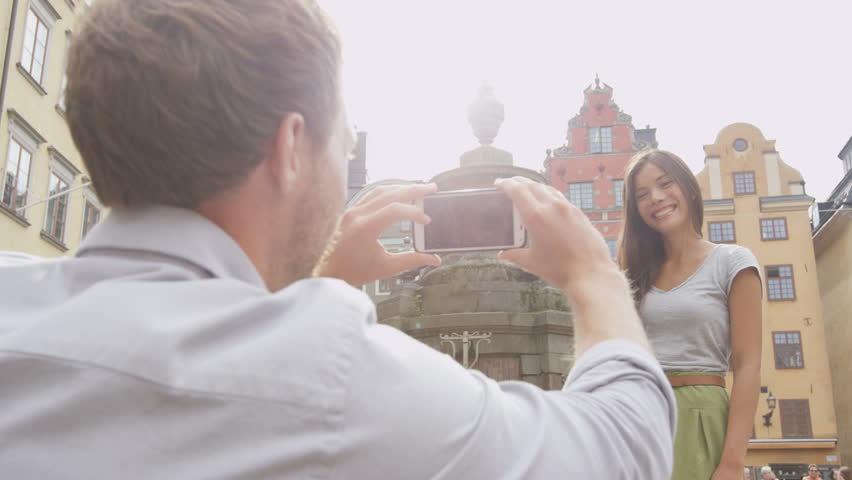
(469, 220)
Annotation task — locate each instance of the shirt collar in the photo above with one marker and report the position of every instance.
(175, 232)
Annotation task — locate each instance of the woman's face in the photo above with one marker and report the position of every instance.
(660, 201)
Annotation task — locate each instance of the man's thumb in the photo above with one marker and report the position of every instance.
(401, 262)
(518, 256)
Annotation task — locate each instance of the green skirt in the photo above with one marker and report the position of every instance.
(702, 420)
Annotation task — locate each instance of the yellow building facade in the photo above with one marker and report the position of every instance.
(39, 160)
(754, 199)
(833, 246)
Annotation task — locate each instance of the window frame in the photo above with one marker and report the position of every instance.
(63, 83)
(775, 346)
(50, 232)
(753, 182)
(774, 219)
(66, 172)
(39, 21)
(722, 224)
(598, 139)
(380, 291)
(618, 193)
(781, 286)
(781, 406)
(45, 15)
(87, 226)
(591, 194)
(23, 146)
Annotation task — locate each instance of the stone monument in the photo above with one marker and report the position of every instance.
(500, 319)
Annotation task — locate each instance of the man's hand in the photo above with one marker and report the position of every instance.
(565, 247)
(355, 253)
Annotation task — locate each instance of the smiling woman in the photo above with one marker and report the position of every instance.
(700, 305)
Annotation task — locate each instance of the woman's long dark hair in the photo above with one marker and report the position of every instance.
(641, 252)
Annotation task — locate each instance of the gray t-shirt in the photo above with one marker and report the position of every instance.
(689, 326)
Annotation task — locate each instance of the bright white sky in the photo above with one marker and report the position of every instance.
(686, 68)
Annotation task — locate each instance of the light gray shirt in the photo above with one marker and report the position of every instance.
(158, 353)
(690, 326)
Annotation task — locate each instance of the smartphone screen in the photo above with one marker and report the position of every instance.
(477, 220)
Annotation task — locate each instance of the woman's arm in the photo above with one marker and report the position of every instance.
(744, 304)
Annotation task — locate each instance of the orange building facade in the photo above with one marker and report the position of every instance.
(589, 167)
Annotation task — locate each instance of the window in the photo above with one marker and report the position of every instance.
(57, 208)
(612, 244)
(16, 177)
(779, 282)
(580, 194)
(744, 183)
(64, 83)
(788, 350)
(618, 192)
(795, 418)
(91, 217)
(773, 229)
(600, 139)
(385, 286)
(34, 53)
(722, 232)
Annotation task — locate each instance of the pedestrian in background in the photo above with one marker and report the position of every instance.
(813, 473)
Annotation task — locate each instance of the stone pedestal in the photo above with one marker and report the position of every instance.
(530, 321)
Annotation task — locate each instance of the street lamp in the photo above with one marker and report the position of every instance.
(771, 402)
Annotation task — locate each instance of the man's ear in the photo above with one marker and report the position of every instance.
(287, 154)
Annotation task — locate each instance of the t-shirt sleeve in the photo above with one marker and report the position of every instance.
(740, 259)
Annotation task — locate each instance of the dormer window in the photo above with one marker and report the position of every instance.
(600, 139)
(744, 183)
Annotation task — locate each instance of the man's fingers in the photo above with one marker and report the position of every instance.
(402, 262)
(556, 194)
(539, 191)
(396, 194)
(379, 221)
(518, 191)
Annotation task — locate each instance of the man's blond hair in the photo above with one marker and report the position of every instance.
(172, 101)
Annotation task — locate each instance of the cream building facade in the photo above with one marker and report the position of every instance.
(754, 199)
(39, 160)
(833, 246)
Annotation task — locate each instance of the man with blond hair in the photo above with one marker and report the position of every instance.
(188, 337)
